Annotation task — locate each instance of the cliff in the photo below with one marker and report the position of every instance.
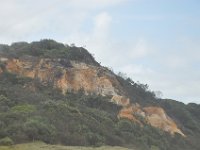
(66, 75)
(155, 116)
(72, 76)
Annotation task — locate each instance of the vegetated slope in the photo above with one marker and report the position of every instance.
(69, 75)
(43, 146)
(60, 94)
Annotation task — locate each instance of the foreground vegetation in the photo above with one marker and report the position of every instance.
(43, 146)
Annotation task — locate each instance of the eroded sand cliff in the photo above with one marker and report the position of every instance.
(74, 76)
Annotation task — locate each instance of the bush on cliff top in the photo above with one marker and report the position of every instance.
(48, 49)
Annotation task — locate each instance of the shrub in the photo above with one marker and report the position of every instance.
(6, 141)
(124, 125)
(23, 109)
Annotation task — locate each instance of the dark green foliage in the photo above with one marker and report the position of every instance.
(139, 93)
(6, 141)
(124, 125)
(14, 79)
(48, 49)
(3, 48)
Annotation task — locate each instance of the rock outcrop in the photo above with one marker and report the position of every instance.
(66, 75)
(155, 116)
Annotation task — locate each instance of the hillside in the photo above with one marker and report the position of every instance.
(59, 94)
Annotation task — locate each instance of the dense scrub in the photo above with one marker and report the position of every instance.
(42, 146)
(47, 49)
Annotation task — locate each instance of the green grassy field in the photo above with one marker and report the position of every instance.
(43, 146)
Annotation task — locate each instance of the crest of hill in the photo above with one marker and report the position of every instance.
(48, 49)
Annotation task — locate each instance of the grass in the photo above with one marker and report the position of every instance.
(43, 146)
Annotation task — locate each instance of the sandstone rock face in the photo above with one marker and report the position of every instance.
(78, 76)
(120, 100)
(128, 113)
(74, 76)
(155, 116)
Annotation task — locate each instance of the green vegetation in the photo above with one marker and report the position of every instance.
(138, 92)
(6, 141)
(43, 146)
(47, 49)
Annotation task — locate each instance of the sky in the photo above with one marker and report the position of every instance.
(156, 42)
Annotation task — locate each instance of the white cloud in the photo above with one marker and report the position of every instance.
(139, 49)
(137, 70)
(20, 19)
(174, 72)
(146, 17)
(93, 4)
(24, 19)
(175, 62)
(97, 39)
(102, 24)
